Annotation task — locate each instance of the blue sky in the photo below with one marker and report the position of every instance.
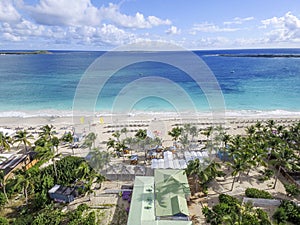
(106, 24)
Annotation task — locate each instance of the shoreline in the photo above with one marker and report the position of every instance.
(243, 113)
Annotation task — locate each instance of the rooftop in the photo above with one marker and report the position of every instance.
(163, 195)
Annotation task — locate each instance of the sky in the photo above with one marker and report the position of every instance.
(107, 24)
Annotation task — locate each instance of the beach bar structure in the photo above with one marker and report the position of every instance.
(62, 194)
(160, 199)
(10, 162)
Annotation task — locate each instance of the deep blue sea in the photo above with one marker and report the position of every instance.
(47, 83)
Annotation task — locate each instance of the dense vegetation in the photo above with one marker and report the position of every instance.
(287, 212)
(34, 183)
(231, 211)
(255, 193)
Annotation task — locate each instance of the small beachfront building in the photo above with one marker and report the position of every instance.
(160, 199)
(10, 162)
(62, 194)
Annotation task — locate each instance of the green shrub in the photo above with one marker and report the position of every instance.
(266, 175)
(291, 190)
(255, 193)
(3, 221)
(280, 215)
(223, 198)
(292, 211)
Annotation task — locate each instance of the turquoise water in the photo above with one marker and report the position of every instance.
(47, 83)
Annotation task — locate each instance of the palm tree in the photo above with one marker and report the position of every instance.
(83, 170)
(208, 131)
(250, 130)
(47, 132)
(194, 132)
(175, 133)
(194, 169)
(270, 124)
(141, 136)
(226, 139)
(184, 141)
(22, 137)
(117, 135)
(5, 142)
(92, 138)
(98, 159)
(110, 144)
(124, 131)
(283, 159)
(238, 166)
(23, 178)
(55, 142)
(3, 183)
(45, 153)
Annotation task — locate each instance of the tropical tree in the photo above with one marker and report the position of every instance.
(194, 169)
(22, 137)
(141, 136)
(98, 159)
(110, 144)
(194, 132)
(5, 142)
(124, 131)
(283, 159)
(46, 153)
(238, 166)
(67, 137)
(91, 138)
(208, 132)
(83, 170)
(184, 140)
(175, 133)
(3, 184)
(23, 178)
(47, 132)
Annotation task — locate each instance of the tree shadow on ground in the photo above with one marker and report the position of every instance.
(121, 213)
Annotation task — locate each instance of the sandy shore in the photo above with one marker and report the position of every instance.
(160, 124)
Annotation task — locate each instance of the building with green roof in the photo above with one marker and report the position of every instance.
(160, 200)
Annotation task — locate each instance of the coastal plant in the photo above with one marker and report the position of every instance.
(292, 190)
(5, 142)
(256, 193)
(22, 137)
(230, 210)
(24, 179)
(266, 174)
(175, 133)
(3, 184)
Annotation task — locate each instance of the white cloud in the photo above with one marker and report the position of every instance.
(53, 12)
(8, 13)
(210, 28)
(282, 29)
(113, 13)
(11, 37)
(238, 20)
(173, 30)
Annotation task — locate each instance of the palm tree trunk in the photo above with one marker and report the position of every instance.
(55, 169)
(276, 178)
(26, 195)
(232, 183)
(4, 190)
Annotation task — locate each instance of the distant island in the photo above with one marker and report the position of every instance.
(26, 52)
(262, 55)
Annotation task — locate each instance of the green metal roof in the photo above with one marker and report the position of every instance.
(142, 201)
(143, 207)
(171, 190)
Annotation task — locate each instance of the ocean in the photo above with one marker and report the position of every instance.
(251, 81)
